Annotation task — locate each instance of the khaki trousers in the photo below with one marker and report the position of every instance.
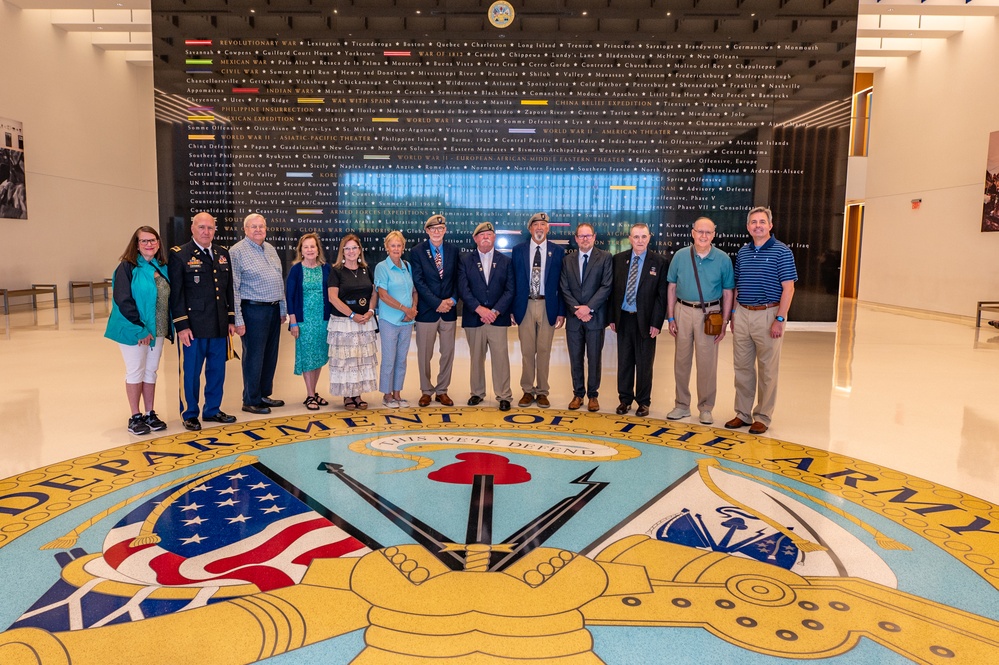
(492, 339)
(756, 357)
(426, 334)
(536, 336)
(693, 345)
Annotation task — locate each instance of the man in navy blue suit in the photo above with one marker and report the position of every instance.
(587, 280)
(435, 270)
(537, 307)
(485, 282)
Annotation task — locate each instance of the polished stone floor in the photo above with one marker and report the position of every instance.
(860, 528)
(909, 391)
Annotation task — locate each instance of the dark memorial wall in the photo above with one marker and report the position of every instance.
(365, 116)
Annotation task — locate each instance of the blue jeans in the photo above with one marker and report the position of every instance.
(395, 348)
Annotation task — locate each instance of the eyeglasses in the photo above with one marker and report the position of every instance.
(584, 236)
(704, 233)
(436, 229)
(148, 241)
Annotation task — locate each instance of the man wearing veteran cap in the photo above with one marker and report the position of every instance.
(537, 307)
(435, 270)
(486, 285)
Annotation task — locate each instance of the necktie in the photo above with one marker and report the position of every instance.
(439, 260)
(582, 273)
(632, 289)
(536, 274)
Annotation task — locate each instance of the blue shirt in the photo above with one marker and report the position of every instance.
(625, 305)
(759, 272)
(256, 275)
(398, 282)
(714, 270)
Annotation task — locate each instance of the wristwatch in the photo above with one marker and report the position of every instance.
(781, 318)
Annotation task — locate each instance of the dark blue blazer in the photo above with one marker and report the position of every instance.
(522, 278)
(498, 294)
(431, 288)
(293, 292)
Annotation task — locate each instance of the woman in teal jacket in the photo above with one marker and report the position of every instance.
(139, 322)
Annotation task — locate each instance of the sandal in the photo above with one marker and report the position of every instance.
(320, 401)
(360, 403)
(350, 403)
(311, 404)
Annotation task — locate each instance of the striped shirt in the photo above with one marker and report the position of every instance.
(759, 272)
(256, 275)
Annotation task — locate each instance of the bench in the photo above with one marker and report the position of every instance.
(985, 306)
(104, 285)
(35, 291)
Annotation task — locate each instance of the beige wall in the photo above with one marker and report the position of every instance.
(89, 152)
(929, 138)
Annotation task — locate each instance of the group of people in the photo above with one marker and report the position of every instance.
(341, 314)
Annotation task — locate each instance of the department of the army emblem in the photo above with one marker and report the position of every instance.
(470, 535)
(501, 14)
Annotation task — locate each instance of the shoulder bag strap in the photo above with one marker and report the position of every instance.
(700, 294)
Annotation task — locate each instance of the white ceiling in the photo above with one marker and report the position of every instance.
(886, 29)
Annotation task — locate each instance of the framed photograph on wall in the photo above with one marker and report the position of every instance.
(990, 211)
(13, 198)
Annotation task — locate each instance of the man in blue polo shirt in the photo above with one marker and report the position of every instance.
(707, 290)
(764, 285)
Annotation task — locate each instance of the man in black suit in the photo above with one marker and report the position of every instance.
(637, 311)
(435, 269)
(586, 282)
(201, 305)
(485, 282)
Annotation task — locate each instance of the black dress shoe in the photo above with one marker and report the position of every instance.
(267, 401)
(220, 417)
(192, 424)
(474, 400)
(642, 411)
(255, 408)
(622, 409)
(504, 405)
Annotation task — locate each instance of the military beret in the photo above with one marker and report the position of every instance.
(482, 228)
(538, 217)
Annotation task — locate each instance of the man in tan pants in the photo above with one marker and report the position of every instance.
(537, 307)
(764, 285)
(685, 308)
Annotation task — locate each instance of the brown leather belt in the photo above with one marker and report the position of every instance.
(757, 308)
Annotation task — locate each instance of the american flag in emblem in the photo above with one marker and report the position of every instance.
(191, 543)
(236, 528)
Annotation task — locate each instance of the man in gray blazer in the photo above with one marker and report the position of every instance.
(586, 281)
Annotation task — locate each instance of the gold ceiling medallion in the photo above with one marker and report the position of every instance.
(501, 14)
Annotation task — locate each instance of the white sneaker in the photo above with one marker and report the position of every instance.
(402, 403)
(706, 418)
(678, 413)
(391, 403)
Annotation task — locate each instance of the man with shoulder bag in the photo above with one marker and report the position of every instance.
(698, 300)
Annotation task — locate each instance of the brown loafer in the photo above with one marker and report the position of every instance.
(543, 401)
(444, 399)
(424, 400)
(736, 423)
(642, 411)
(757, 428)
(526, 400)
(622, 409)
(576, 403)
(594, 405)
